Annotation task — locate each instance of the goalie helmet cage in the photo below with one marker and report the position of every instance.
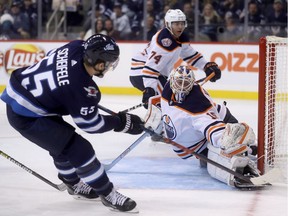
(273, 105)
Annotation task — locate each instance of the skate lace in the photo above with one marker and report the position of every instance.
(116, 198)
(82, 188)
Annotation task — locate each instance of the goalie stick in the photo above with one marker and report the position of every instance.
(60, 187)
(257, 181)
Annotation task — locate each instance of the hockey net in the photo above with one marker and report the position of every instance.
(273, 105)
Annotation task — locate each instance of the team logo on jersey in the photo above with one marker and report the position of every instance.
(92, 91)
(166, 42)
(169, 127)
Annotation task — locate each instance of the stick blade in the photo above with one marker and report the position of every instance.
(267, 178)
(62, 187)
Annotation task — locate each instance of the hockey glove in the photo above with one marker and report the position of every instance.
(130, 123)
(147, 93)
(211, 67)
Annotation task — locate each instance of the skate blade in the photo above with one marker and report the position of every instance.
(133, 211)
(76, 197)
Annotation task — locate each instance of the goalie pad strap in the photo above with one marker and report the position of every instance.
(244, 134)
(235, 151)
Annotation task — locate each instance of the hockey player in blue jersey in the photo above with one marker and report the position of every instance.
(150, 68)
(192, 119)
(61, 84)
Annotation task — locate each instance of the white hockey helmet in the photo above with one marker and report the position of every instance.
(181, 82)
(174, 15)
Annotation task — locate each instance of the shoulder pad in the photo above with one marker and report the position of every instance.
(167, 91)
(196, 101)
(166, 41)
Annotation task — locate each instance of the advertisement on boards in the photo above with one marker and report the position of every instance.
(238, 62)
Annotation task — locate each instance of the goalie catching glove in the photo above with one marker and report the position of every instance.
(211, 67)
(236, 139)
(129, 123)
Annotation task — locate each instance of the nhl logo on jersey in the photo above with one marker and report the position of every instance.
(169, 127)
(166, 42)
(92, 91)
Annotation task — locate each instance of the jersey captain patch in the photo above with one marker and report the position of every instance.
(166, 42)
(169, 127)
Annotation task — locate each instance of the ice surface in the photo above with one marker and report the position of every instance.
(161, 183)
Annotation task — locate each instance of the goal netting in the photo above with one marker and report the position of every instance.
(273, 105)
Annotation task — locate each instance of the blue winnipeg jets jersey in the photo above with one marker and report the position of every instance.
(193, 123)
(58, 85)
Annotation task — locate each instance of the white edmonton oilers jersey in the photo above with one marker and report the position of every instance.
(160, 55)
(193, 123)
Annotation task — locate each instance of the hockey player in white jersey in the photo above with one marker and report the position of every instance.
(150, 68)
(192, 119)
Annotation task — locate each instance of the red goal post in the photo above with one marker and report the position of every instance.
(273, 104)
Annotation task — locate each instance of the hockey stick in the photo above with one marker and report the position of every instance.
(124, 153)
(60, 187)
(257, 181)
(132, 146)
(261, 180)
(132, 108)
(205, 79)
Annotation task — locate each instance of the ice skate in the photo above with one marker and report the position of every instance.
(82, 191)
(115, 201)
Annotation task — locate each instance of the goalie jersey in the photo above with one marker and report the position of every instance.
(193, 123)
(160, 55)
(58, 85)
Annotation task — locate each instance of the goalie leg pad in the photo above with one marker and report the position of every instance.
(234, 163)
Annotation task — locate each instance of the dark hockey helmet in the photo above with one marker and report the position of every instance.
(100, 48)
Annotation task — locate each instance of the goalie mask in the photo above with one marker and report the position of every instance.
(181, 82)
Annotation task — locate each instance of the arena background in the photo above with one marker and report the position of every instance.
(238, 62)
